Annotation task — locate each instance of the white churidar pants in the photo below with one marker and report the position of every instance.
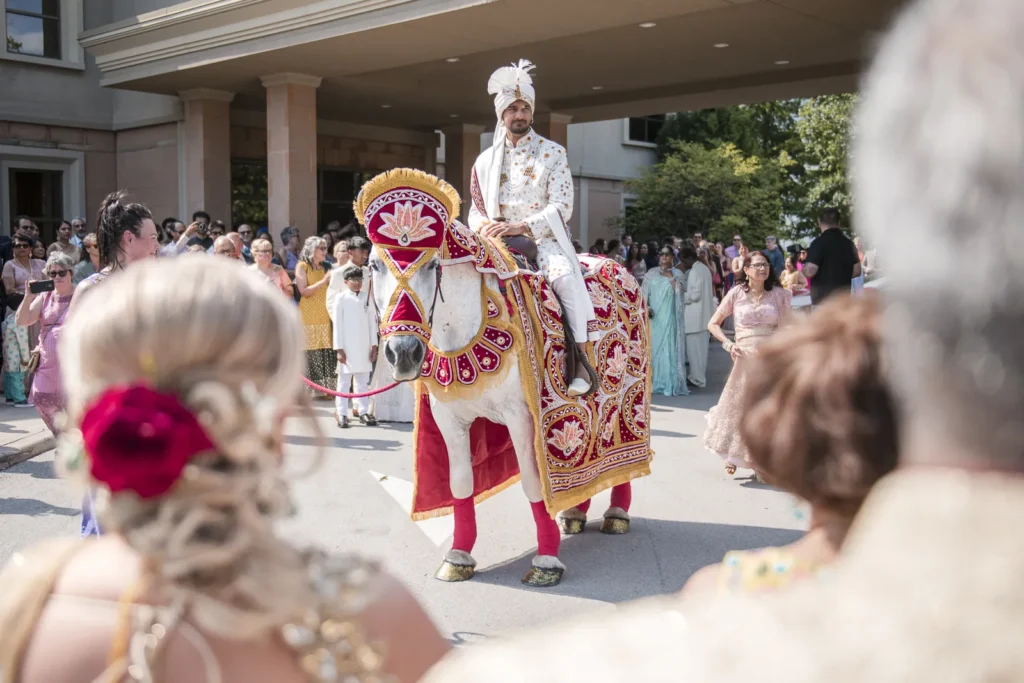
(697, 357)
(360, 382)
(568, 292)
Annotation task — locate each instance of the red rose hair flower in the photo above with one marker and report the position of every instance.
(138, 439)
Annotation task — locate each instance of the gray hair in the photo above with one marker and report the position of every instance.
(939, 163)
(310, 246)
(59, 258)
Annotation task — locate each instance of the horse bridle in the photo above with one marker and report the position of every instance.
(433, 304)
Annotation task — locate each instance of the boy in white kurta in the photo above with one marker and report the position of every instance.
(355, 344)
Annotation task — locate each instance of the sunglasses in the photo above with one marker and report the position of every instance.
(22, 246)
(57, 273)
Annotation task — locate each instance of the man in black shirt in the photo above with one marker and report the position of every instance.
(832, 260)
(202, 237)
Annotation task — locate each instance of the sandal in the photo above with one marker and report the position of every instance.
(730, 469)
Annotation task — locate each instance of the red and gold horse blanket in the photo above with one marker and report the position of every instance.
(583, 446)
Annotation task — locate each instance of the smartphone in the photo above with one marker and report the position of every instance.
(40, 286)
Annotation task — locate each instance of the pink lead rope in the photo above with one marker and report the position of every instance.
(341, 394)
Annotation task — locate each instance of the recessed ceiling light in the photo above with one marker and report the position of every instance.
(648, 24)
(385, 106)
(781, 62)
(453, 116)
(721, 45)
(597, 87)
(452, 60)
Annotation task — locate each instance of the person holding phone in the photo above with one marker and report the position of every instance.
(47, 302)
(202, 237)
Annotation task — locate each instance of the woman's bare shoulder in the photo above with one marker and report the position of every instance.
(412, 644)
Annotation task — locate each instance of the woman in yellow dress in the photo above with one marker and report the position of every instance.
(311, 279)
(819, 421)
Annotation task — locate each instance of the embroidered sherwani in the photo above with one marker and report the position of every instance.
(535, 187)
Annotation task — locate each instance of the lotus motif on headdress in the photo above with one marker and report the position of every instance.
(407, 224)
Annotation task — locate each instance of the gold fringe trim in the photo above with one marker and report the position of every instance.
(570, 499)
(407, 177)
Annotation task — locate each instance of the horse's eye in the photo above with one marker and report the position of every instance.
(373, 266)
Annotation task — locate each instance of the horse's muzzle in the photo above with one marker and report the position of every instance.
(405, 354)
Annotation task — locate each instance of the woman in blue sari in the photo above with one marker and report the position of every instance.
(664, 287)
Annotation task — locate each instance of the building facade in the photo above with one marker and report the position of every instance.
(274, 111)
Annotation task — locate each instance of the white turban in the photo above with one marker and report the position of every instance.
(507, 84)
(511, 83)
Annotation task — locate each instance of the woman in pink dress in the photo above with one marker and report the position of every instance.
(49, 308)
(759, 305)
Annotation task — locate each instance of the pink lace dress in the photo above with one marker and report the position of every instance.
(47, 390)
(755, 321)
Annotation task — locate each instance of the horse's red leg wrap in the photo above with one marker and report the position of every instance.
(622, 496)
(584, 506)
(465, 525)
(548, 536)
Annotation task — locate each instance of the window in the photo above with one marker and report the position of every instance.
(338, 188)
(39, 195)
(645, 129)
(249, 192)
(33, 28)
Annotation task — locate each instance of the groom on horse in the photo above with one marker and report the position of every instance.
(522, 186)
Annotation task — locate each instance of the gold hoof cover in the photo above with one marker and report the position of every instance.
(539, 577)
(615, 526)
(452, 573)
(571, 527)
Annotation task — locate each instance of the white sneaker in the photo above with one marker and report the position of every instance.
(578, 387)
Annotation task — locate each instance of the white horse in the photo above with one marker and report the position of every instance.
(454, 308)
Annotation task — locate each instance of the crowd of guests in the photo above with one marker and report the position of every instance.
(312, 273)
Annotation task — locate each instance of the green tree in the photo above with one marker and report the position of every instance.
(718, 191)
(767, 130)
(824, 127)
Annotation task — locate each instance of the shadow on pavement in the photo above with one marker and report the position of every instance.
(346, 443)
(35, 468)
(34, 508)
(665, 554)
(672, 435)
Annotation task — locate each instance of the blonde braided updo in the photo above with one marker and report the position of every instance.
(230, 347)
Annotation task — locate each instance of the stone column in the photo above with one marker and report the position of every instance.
(291, 152)
(207, 138)
(554, 127)
(461, 148)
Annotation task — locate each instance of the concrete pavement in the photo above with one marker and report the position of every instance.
(688, 513)
(23, 435)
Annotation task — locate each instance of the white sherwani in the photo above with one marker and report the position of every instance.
(535, 186)
(700, 306)
(355, 333)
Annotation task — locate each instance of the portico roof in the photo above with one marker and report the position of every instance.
(425, 63)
